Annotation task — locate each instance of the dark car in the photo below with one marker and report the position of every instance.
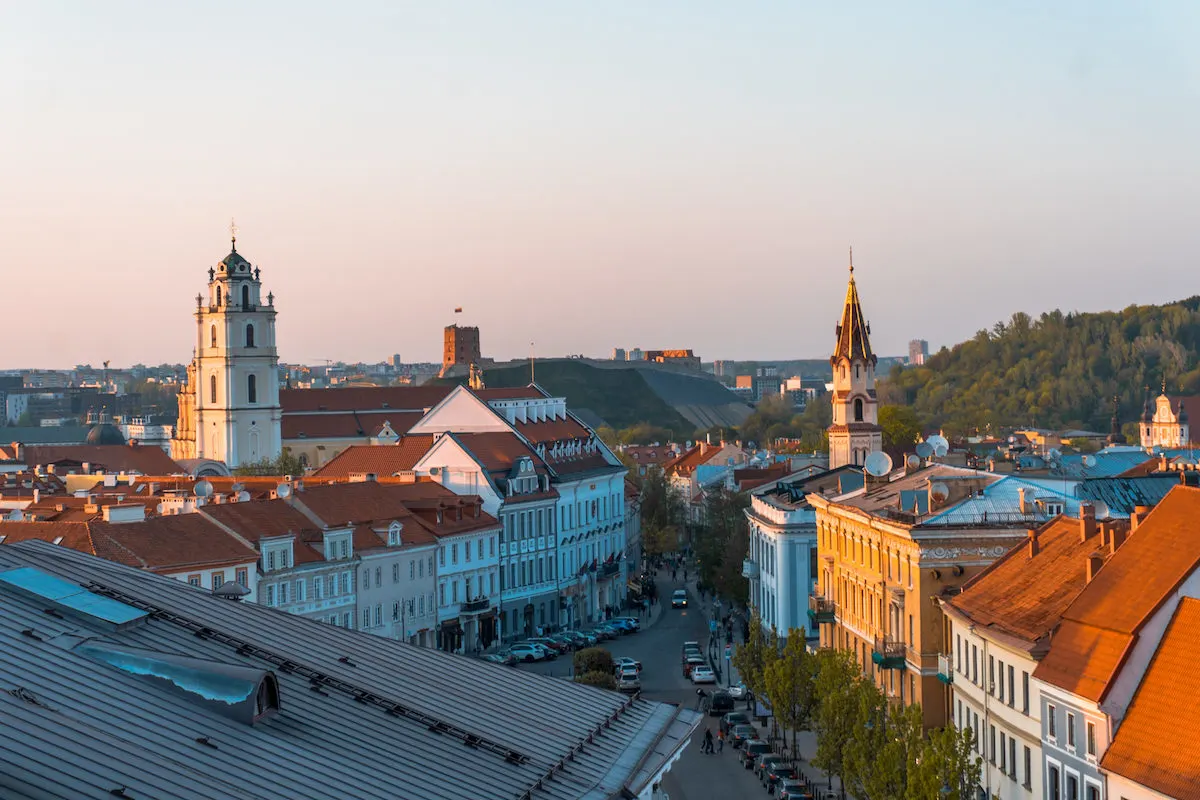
(692, 661)
(765, 762)
(720, 703)
(776, 773)
(752, 750)
(793, 789)
(733, 719)
(550, 644)
(740, 734)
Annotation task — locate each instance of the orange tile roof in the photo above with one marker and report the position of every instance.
(258, 519)
(346, 424)
(1103, 623)
(379, 459)
(499, 450)
(688, 460)
(1156, 744)
(362, 398)
(75, 535)
(110, 457)
(372, 502)
(553, 430)
(650, 454)
(1026, 596)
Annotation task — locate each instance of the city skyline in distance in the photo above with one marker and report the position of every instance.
(667, 177)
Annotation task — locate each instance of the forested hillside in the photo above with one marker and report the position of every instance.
(1059, 370)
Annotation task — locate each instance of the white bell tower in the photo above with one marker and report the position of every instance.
(236, 369)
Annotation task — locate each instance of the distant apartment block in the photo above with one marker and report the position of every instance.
(918, 352)
(619, 354)
(719, 367)
(684, 358)
(765, 382)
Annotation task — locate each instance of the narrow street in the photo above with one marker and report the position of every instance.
(695, 776)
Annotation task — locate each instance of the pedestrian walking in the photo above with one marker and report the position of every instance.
(700, 695)
(708, 740)
(720, 741)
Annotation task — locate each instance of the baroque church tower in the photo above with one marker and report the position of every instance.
(855, 431)
(230, 410)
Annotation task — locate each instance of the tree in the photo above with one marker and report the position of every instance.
(284, 464)
(838, 708)
(662, 507)
(657, 541)
(601, 680)
(25, 420)
(789, 682)
(948, 761)
(721, 542)
(900, 425)
(752, 657)
(593, 659)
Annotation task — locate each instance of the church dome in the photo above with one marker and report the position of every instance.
(1147, 413)
(234, 263)
(105, 433)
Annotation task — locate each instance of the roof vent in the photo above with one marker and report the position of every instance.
(71, 598)
(241, 693)
(230, 590)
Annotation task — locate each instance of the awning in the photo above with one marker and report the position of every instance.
(450, 626)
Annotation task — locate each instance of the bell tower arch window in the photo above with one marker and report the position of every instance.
(252, 388)
(858, 409)
(212, 388)
(245, 297)
(218, 295)
(249, 335)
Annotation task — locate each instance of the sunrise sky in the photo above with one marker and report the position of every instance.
(662, 175)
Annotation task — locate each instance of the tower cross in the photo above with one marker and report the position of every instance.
(233, 232)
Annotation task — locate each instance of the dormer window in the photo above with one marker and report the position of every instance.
(394, 534)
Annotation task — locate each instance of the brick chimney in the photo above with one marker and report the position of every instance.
(1087, 521)
(1034, 548)
(1137, 517)
(1094, 562)
(1023, 500)
(1117, 538)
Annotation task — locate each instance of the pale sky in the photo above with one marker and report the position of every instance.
(662, 175)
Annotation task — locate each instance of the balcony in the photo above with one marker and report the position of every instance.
(608, 570)
(945, 668)
(749, 570)
(821, 610)
(475, 606)
(888, 653)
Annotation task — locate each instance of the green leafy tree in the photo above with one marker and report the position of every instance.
(721, 543)
(752, 657)
(789, 681)
(284, 464)
(900, 425)
(593, 659)
(947, 761)
(662, 506)
(601, 680)
(658, 541)
(838, 708)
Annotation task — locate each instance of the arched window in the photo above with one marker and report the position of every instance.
(213, 335)
(858, 409)
(252, 388)
(212, 388)
(249, 335)
(245, 296)
(218, 295)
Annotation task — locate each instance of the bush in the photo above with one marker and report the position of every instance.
(593, 659)
(602, 680)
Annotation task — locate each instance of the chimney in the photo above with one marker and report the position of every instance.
(1087, 521)
(1023, 500)
(1117, 538)
(703, 448)
(708, 437)
(1094, 562)
(18, 451)
(1137, 517)
(1033, 544)
(154, 487)
(37, 494)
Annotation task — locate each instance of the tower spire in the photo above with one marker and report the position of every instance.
(852, 261)
(233, 232)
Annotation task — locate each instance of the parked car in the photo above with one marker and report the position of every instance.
(504, 657)
(793, 789)
(738, 691)
(751, 751)
(569, 641)
(584, 638)
(524, 651)
(690, 663)
(720, 703)
(621, 624)
(626, 661)
(702, 673)
(734, 718)
(740, 734)
(766, 762)
(679, 599)
(628, 680)
(603, 634)
(775, 773)
(633, 622)
(549, 644)
(691, 645)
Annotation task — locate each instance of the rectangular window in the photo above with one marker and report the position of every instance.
(270, 560)
(1012, 758)
(396, 611)
(467, 552)
(991, 675)
(454, 591)
(1001, 681)
(1091, 739)
(442, 556)
(346, 582)
(479, 549)
(412, 570)
(491, 583)
(366, 579)
(366, 618)
(344, 549)
(396, 572)
(1012, 687)
(1003, 752)
(283, 593)
(959, 651)
(975, 664)
(1051, 723)
(453, 554)
(318, 587)
(1070, 731)
(1025, 692)
(333, 585)
(992, 743)
(1028, 768)
(348, 620)
(442, 594)
(243, 577)
(491, 546)
(378, 614)
(378, 576)
(300, 591)
(1072, 787)
(193, 580)
(270, 595)
(218, 579)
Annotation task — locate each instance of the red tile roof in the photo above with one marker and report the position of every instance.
(553, 430)
(258, 519)
(1104, 621)
(362, 398)
(1156, 744)
(378, 459)
(346, 424)
(372, 502)
(499, 450)
(650, 454)
(1025, 596)
(109, 457)
(688, 460)
(753, 477)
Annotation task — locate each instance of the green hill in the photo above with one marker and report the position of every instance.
(621, 398)
(1056, 371)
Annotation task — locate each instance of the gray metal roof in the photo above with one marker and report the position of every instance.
(50, 434)
(361, 716)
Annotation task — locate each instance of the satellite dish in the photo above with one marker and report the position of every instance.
(878, 464)
(1089, 460)
(912, 461)
(1101, 509)
(283, 490)
(202, 489)
(940, 445)
(924, 450)
(941, 450)
(939, 492)
(1055, 454)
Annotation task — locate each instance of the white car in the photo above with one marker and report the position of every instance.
(628, 680)
(738, 692)
(528, 652)
(626, 661)
(703, 674)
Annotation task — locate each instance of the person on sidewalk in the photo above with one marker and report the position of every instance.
(708, 741)
(700, 695)
(720, 741)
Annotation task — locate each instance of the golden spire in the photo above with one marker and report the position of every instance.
(851, 262)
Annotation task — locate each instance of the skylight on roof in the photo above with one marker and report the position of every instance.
(70, 598)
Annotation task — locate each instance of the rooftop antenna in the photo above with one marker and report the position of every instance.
(531, 378)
